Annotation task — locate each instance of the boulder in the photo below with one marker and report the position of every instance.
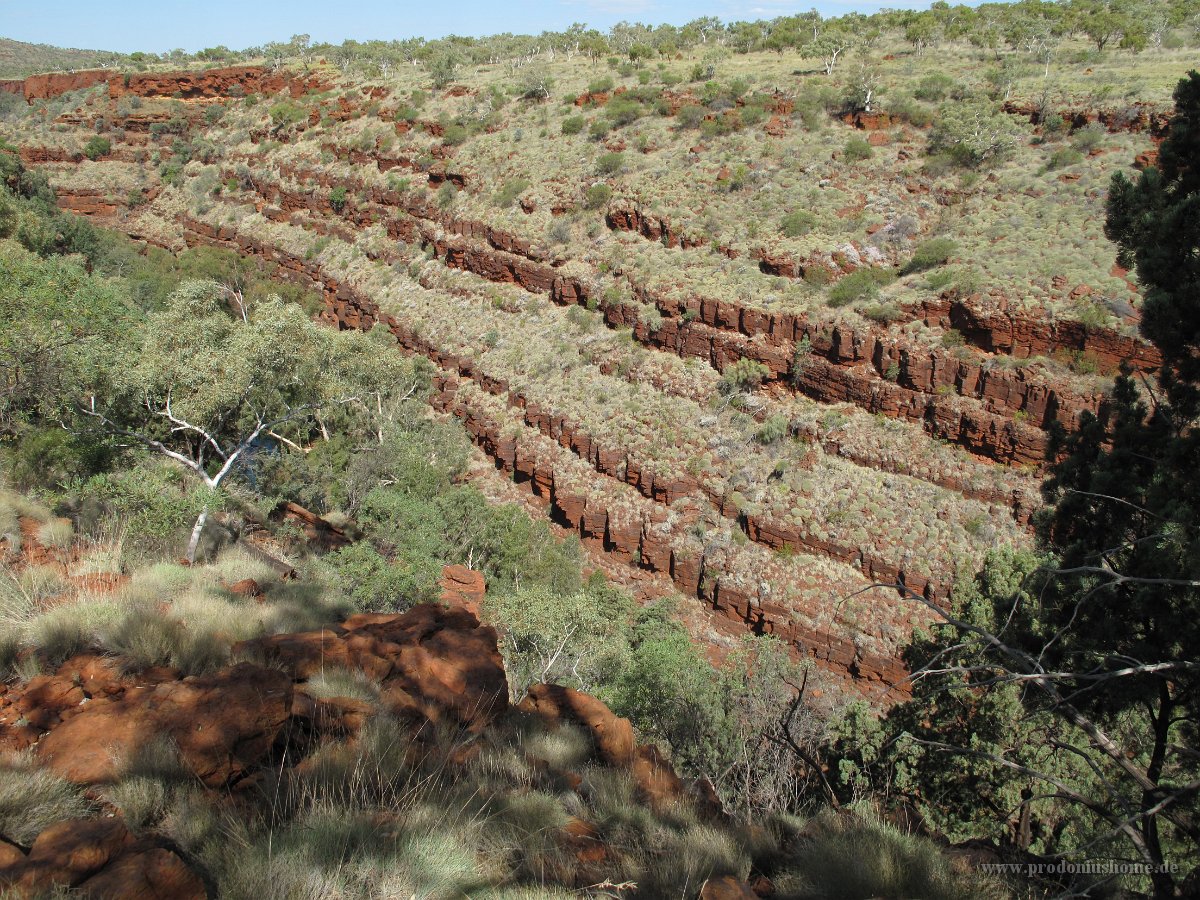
(612, 735)
(463, 587)
(222, 724)
(154, 874)
(65, 854)
(431, 661)
(726, 887)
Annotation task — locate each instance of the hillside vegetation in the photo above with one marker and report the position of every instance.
(18, 59)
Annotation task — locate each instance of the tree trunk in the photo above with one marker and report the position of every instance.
(197, 530)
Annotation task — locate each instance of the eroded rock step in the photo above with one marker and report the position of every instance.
(639, 538)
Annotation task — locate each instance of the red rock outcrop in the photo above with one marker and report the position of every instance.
(346, 309)
(430, 662)
(210, 84)
(848, 365)
(49, 86)
(222, 724)
(463, 587)
(99, 859)
(611, 735)
(1136, 117)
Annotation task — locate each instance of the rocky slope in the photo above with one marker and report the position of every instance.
(785, 538)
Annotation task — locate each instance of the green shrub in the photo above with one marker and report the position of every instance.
(286, 113)
(1088, 138)
(857, 286)
(573, 124)
(1063, 157)
(972, 134)
(337, 199)
(930, 254)
(690, 116)
(597, 196)
(601, 85)
(610, 163)
(934, 88)
(857, 149)
(623, 111)
(773, 429)
(744, 375)
(510, 191)
(97, 147)
(797, 223)
(454, 135)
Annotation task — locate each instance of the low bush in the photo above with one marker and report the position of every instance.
(597, 196)
(862, 284)
(797, 223)
(610, 163)
(97, 147)
(857, 149)
(930, 254)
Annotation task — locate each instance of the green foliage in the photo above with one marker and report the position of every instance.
(857, 149)
(610, 163)
(337, 198)
(455, 135)
(508, 193)
(772, 430)
(797, 223)
(286, 113)
(930, 254)
(934, 88)
(1064, 157)
(580, 639)
(859, 285)
(55, 321)
(447, 194)
(597, 196)
(744, 375)
(973, 134)
(573, 124)
(97, 147)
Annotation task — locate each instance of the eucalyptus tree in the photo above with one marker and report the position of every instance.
(205, 386)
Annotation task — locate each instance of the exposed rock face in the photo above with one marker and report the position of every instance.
(1138, 117)
(431, 662)
(611, 735)
(690, 572)
(463, 587)
(212, 84)
(846, 365)
(207, 85)
(222, 724)
(99, 859)
(47, 87)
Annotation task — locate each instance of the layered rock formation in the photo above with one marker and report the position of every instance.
(232, 81)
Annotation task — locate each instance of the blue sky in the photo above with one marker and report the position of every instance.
(158, 25)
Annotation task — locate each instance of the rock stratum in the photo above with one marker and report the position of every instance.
(981, 371)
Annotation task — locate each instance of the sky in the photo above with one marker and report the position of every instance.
(160, 25)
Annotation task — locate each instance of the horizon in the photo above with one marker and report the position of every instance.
(153, 27)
